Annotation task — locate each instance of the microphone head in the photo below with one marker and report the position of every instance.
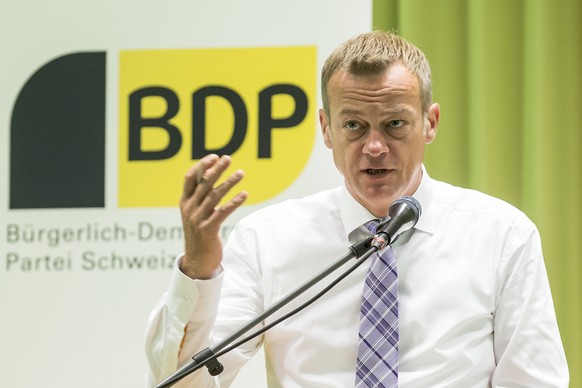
(408, 207)
(403, 214)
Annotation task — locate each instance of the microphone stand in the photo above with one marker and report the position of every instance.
(208, 357)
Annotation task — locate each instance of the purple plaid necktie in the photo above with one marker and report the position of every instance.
(377, 364)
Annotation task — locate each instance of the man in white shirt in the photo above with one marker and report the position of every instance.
(475, 308)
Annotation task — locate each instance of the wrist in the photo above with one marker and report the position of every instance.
(198, 272)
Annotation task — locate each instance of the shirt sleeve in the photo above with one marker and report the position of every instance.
(527, 344)
(195, 314)
(188, 306)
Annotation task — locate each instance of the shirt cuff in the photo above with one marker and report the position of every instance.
(192, 299)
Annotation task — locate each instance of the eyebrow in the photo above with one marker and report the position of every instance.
(350, 111)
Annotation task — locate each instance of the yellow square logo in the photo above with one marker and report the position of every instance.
(255, 104)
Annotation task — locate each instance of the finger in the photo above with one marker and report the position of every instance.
(190, 181)
(210, 177)
(195, 175)
(200, 174)
(222, 212)
(214, 197)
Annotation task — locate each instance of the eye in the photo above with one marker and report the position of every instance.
(352, 125)
(396, 123)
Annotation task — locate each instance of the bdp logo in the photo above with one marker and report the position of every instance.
(178, 105)
(175, 106)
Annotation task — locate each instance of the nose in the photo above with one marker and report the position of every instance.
(375, 143)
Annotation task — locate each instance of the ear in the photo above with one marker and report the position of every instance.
(325, 129)
(433, 116)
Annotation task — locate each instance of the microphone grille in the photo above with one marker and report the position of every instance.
(412, 203)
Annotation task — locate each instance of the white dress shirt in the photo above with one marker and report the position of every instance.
(475, 307)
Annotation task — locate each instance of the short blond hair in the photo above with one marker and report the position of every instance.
(374, 52)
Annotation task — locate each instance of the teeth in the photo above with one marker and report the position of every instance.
(372, 171)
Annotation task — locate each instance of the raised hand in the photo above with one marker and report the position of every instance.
(202, 216)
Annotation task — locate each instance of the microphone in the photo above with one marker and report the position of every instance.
(403, 214)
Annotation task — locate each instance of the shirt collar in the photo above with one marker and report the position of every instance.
(425, 196)
(354, 215)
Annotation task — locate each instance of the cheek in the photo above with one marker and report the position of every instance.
(411, 152)
(345, 156)
(338, 161)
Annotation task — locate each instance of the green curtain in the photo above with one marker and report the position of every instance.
(508, 77)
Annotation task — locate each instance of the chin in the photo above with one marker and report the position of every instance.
(378, 201)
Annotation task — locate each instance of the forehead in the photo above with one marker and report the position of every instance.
(395, 84)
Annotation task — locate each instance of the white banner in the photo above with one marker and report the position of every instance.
(103, 106)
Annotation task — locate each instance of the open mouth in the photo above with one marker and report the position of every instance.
(375, 171)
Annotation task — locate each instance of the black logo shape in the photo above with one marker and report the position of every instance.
(57, 136)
